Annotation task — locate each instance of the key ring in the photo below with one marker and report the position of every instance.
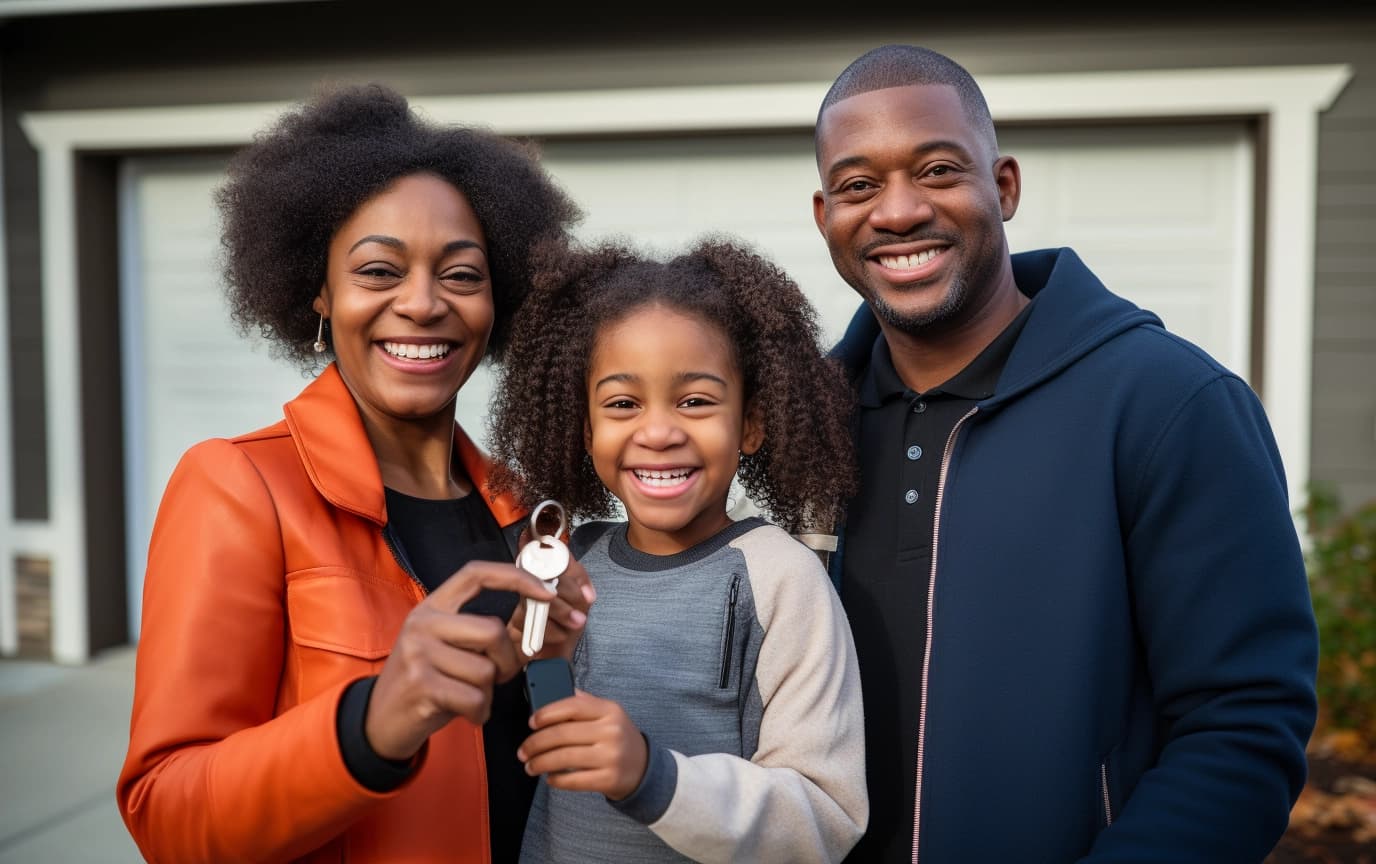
(535, 519)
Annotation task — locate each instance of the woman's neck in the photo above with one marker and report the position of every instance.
(415, 457)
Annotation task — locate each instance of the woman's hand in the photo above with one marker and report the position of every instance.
(444, 663)
(568, 612)
(586, 744)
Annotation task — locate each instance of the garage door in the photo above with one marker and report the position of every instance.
(1162, 213)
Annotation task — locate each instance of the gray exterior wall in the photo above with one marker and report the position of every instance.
(278, 52)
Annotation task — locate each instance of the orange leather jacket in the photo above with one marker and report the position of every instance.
(269, 589)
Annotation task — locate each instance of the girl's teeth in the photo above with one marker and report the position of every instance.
(663, 478)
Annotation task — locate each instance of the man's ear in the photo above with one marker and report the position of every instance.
(1008, 177)
(752, 431)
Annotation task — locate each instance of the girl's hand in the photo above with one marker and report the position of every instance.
(444, 663)
(568, 612)
(586, 744)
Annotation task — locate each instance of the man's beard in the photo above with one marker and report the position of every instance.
(917, 323)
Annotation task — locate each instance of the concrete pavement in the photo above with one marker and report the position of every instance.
(63, 732)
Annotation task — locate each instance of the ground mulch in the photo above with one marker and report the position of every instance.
(1334, 821)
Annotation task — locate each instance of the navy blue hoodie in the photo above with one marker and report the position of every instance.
(1122, 649)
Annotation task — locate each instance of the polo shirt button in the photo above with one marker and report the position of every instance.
(914, 452)
(910, 496)
(919, 407)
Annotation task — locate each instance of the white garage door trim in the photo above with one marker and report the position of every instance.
(1290, 98)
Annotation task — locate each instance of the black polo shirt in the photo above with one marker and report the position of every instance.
(887, 566)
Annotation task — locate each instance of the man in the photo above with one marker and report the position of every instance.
(1077, 594)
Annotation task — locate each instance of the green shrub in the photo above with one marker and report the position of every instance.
(1342, 581)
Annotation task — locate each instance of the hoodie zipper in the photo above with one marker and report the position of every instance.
(1108, 804)
(927, 648)
(728, 636)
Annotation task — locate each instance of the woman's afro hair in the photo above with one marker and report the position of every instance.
(802, 476)
(289, 191)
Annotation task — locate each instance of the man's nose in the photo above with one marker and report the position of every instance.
(901, 206)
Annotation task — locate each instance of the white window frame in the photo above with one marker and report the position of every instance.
(1288, 98)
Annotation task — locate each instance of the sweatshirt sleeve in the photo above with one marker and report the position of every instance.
(1223, 610)
(211, 774)
(802, 796)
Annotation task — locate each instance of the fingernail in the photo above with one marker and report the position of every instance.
(578, 618)
(589, 594)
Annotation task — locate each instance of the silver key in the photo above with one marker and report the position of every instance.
(545, 558)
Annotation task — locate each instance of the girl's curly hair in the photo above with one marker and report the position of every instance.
(288, 192)
(804, 473)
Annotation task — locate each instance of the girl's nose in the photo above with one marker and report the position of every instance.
(658, 430)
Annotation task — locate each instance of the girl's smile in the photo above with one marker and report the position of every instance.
(667, 424)
(664, 482)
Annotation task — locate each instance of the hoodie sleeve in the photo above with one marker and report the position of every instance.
(211, 774)
(1224, 614)
(802, 796)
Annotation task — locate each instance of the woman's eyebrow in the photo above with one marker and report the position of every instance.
(380, 238)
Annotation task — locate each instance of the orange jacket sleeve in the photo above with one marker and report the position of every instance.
(213, 771)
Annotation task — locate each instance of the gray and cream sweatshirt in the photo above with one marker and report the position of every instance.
(735, 659)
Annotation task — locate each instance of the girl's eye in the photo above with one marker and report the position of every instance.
(620, 405)
(696, 402)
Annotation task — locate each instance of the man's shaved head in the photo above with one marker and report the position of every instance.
(904, 65)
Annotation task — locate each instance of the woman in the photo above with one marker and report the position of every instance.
(305, 689)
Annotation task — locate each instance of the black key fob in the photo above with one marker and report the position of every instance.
(548, 680)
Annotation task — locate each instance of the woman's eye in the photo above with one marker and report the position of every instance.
(375, 272)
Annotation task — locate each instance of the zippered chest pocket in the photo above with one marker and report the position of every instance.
(728, 633)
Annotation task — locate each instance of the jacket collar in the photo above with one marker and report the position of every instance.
(330, 439)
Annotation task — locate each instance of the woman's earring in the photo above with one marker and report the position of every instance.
(319, 345)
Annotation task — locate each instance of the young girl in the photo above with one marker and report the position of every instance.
(718, 713)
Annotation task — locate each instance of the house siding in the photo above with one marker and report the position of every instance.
(27, 463)
(88, 61)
